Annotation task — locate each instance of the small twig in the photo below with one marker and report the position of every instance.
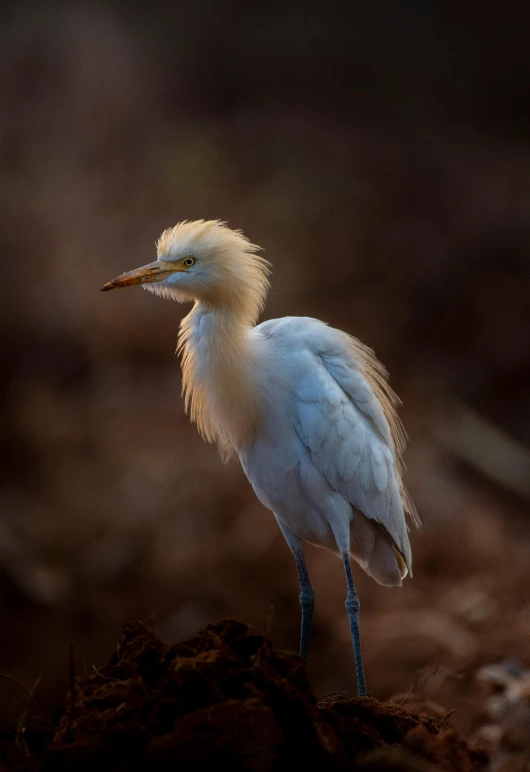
(21, 724)
(407, 694)
(20, 736)
(429, 674)
(28, 692)
(105, 677)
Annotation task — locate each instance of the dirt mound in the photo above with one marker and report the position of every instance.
(227, 697)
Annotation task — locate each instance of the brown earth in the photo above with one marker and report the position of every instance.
(227, 697)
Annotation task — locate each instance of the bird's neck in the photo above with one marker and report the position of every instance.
(220, 375)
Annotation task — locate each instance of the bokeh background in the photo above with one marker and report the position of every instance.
(380, 153)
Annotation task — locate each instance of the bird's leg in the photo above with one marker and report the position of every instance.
(306, 591)
(306, 601)
(352, 607)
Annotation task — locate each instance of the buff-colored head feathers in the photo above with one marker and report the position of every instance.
(227, 271)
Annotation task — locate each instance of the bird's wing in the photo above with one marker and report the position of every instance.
(341, 417)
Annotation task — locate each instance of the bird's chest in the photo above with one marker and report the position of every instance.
(220, 385)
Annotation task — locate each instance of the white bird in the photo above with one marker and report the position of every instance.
(307, 408)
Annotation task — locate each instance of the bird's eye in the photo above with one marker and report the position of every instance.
(188, 262)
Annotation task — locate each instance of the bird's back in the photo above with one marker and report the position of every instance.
(329, 453)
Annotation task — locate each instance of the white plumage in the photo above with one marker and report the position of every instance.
(306, 407)
(325, 449)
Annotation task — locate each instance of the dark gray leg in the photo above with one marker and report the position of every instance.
(306, 591)
(352, 607)
(306, 601)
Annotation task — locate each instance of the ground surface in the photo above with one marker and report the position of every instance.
(228, 697)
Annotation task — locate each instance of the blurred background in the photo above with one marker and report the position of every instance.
(380, 153)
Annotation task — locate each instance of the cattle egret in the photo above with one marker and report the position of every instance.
(307, 408)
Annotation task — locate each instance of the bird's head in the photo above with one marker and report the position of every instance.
(205, 261)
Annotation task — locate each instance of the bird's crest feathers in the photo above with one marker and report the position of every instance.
(206, 234)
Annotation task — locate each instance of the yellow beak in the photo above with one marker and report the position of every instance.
(146, 275)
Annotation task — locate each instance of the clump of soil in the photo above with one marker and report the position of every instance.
(226, 697)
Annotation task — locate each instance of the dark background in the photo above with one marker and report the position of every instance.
(380, 153)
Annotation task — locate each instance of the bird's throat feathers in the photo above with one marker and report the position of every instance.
(220, 366)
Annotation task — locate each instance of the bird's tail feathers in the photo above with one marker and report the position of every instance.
(375, 552)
